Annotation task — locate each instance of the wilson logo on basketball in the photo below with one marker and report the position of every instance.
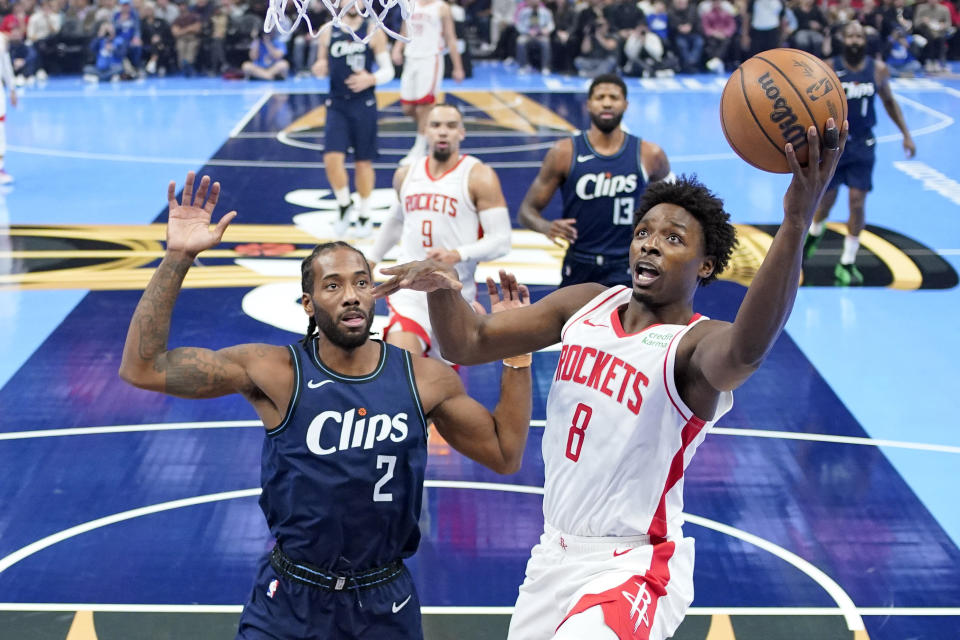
(783, 113)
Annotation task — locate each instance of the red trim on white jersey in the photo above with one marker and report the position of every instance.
(666, 383)
(570, 323)
(404, 323)
(629, 608)
(658, 525)
(441, 176)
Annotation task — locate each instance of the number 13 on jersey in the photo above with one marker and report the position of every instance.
(623, 211)
(578, 430)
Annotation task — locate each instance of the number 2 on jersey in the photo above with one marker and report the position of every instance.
(578, 430)
(390, 462)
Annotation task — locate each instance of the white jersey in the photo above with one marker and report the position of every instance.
(425, 29)
(439, 213)
(618, 437)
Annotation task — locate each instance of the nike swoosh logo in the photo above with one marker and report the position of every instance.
(599, 326)
(620, 553)
(396, 607)
(589, 156)
(317, 385)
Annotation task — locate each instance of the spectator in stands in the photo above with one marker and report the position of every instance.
(157, 42)
(624, 16)
(902, 57)
(685, 35)
(718, 21)
(534, 24)
(126, 22)
(763, 26)
(932, 21)
(219, 24)
(564, 18)
(598, 50)
(267, 51)
(503, 14)
(647, 55)
(658, 20)
(186, 31)
(16, 18)
(108, 49)
(811, 27)
(167, 11)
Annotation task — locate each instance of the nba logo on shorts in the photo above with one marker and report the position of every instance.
(272, 588)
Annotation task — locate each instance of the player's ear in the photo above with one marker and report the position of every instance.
(706, 267)
(307, 303)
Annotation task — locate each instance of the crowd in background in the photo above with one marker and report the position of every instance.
(124, 39)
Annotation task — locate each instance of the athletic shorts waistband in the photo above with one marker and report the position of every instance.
(596, 542)
(312, 576)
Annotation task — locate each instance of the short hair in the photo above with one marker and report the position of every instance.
(306, 275)
(447, 104)
(608, 78)
(719, 236)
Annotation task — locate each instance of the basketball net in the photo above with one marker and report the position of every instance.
(276, 12)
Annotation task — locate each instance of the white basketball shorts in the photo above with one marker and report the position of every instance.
(420, 79)
(603, 588)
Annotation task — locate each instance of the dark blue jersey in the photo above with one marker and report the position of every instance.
(342, 475)
(346, 56)
(602, 192)
(860, 87)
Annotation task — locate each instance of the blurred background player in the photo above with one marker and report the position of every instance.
(9, 86)
(445, 200)
(863, 78)
(352, 114)
(601, 173)
(430, 30)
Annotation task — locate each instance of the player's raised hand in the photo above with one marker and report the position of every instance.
(511, 294)
(188, 226)
(564, 229)
(424, 275)
(809, 182)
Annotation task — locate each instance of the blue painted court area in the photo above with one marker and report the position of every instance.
(826, 491)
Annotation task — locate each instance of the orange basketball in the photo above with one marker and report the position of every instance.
(772, 99)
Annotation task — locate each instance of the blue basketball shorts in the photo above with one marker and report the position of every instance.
(281, 608)
(352, 124)
(856, 165)
(607, 270)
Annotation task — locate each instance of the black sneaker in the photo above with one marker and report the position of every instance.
(847, 275)
(810, 245)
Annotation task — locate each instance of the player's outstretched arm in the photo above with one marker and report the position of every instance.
(552, 173)
(468, 338)
(725, 355)
(186, 372)
(892, 107)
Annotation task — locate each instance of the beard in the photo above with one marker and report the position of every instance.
(854, 54)
(442, 155)
(338, 336)
(606, 126)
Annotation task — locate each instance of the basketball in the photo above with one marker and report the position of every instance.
(772, 99)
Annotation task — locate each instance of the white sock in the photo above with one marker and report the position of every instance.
(343, 196)
(816, 228)
(363, 208)
(850, 246)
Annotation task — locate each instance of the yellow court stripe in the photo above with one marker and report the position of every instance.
(721, 628)
(492, 104)
(82, 627)
(906, 274)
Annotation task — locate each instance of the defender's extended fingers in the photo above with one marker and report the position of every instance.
(508, 282)
(172, 194)
(386, 288)
(213, 198)
(223, 224)
(524, 294)
(187, 196)
(202, 191)
(493, 291)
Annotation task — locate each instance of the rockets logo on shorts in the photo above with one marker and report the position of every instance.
(272, 588)
(638, 604)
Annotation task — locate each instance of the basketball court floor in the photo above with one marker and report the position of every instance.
(824, 505)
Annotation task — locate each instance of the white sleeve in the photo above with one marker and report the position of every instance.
(495, 242)
(6, 67)
(390, 232)
(384, 72)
